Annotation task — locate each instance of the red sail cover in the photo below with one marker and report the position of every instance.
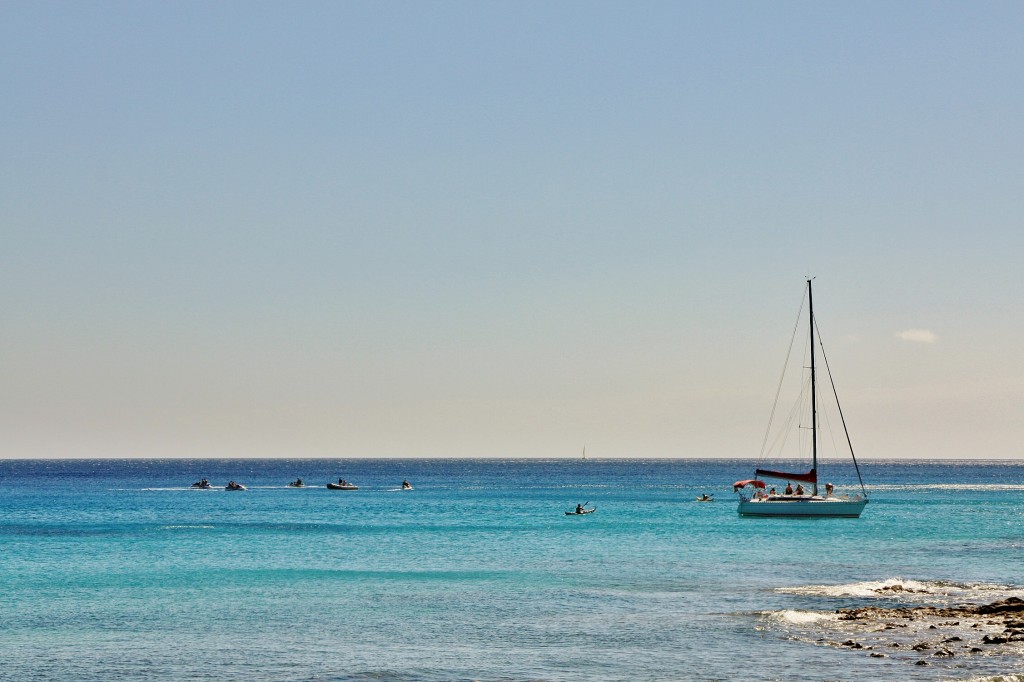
(810, 477)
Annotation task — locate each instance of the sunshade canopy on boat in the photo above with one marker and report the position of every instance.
(810, 477)
(742, 484)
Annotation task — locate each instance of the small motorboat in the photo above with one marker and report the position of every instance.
(580, 511)
(203, 484)
(342, 484)
(234, 486)
(297, 483)
(706, 498)
(406, 485)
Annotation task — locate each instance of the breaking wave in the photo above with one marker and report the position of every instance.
(911, 590)
(796, 617)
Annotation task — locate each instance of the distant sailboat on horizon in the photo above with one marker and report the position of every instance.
(796, 503)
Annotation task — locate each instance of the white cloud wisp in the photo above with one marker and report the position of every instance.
(917, 336)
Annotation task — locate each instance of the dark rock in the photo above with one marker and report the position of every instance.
(922, 662)
(921, 646)
(877, 655)
(1009, 605)
(944, 653)
(976, 649)
(895, 644)
(896, 589)
(995, 639)
(954, 638)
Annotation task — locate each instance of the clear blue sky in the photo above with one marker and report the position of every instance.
(505, 228)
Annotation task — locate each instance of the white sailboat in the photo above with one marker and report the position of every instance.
(800, 502)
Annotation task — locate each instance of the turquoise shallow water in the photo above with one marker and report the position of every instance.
(115, 569)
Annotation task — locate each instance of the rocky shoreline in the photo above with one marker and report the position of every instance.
(924, 632)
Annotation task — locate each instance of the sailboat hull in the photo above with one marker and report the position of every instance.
(806, 507)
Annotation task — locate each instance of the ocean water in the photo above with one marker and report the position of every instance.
(119, 570)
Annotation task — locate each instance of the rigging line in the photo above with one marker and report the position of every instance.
(778, 388)
(788, 425)
(778, 445)
(827, 416)
(839, 407)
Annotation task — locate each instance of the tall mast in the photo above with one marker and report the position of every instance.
(814, 405)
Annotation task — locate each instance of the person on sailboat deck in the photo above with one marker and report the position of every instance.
(828, 489)
(789, 488)
(772, 491)
(799, 488)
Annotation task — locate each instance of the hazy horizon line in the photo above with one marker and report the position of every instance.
(514, 458)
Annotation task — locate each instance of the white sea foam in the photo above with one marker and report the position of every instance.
(909, 590)
(864, 589)
(801, 617)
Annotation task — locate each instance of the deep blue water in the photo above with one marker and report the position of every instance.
(116, 569)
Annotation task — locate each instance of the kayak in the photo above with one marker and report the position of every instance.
(580, 513)
(336, 486)
(705, 499)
